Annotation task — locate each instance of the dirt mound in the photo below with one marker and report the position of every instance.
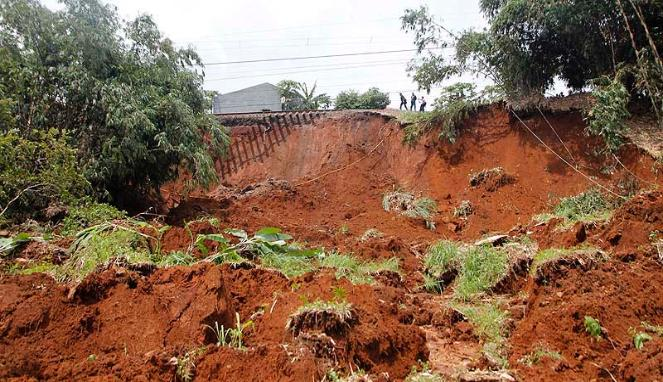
(635, 221)
(619, 295)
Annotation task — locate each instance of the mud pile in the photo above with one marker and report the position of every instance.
(323, 182)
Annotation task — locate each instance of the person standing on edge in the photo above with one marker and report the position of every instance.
(423, 105)
(413, 102)
(403, 102)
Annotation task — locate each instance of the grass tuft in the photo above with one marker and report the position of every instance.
(408, 205)
(489, 322)
(356, 271)
(440, 258)
(538, 354)
(481, 268)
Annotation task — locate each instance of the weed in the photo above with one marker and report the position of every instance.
(481, 268)
(488, 321)
(593, 327)
(464, 209)
(175, 258)
(369, 234)
(344, 230)
(222, 334)
(47, 268)
(185, 365)
(237, 333)
(640, 338)
(92, 358)
(423, 375)
(538, 354)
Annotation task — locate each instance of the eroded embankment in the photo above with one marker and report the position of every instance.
(328, 179)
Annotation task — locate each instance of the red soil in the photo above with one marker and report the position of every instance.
(328, 177)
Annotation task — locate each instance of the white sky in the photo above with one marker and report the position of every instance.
(261, 29)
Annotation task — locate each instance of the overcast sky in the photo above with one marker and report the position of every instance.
(225, 30)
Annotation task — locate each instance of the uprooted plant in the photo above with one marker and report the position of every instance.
(407, 204)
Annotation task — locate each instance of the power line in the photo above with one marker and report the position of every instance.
(311, 57)
(306, 71)
(327, 65)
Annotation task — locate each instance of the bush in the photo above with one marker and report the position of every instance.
(373, 98)
(36, 171)
(607, 116)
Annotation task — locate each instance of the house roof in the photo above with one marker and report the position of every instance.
(264, 84)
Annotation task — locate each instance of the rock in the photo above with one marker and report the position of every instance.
(495, 240)
(485, 376)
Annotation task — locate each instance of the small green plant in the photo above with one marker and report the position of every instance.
(237, 333)
(593, 327)
(640, 338)
(91, 358)
(425, 374)
(176, 258)
(88, 214)
(221, 333)
(185, 365)
(481, 268)
(464, 209)
(538, 354)
(339, 308)
(344, 230)
(489, 322)
(369, 234)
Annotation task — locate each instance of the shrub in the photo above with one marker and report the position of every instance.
(37, 171)
(608, 115)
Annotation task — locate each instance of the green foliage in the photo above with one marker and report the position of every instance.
(529, 43)
(127, 98)
(298, 96)
(176, 258)
(373, 98)
(538, 354)
(590, 205)
(640, 338)
(607, 116)
(550, 254)
(440, 258)
(9, 244)
(185, 365)
(356, 271)
(593, 327)
(481, 268)
(89, 214)
(37, 170)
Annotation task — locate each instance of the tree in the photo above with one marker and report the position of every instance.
(373, 98)
(127, 99)
(529, 43)
(298, 96)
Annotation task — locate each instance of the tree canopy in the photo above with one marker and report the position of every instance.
(298, 96)
(530, 43)
(122, 94)
(373, 98)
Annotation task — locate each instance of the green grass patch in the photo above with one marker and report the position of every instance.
(550, 254)
(88, 214)
(489, 323)
(355, 270)
(481, 268)
(589, 206)
(440, 258)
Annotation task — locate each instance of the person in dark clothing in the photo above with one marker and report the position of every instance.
(413, 102)
(403, 102)
(423, 104)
